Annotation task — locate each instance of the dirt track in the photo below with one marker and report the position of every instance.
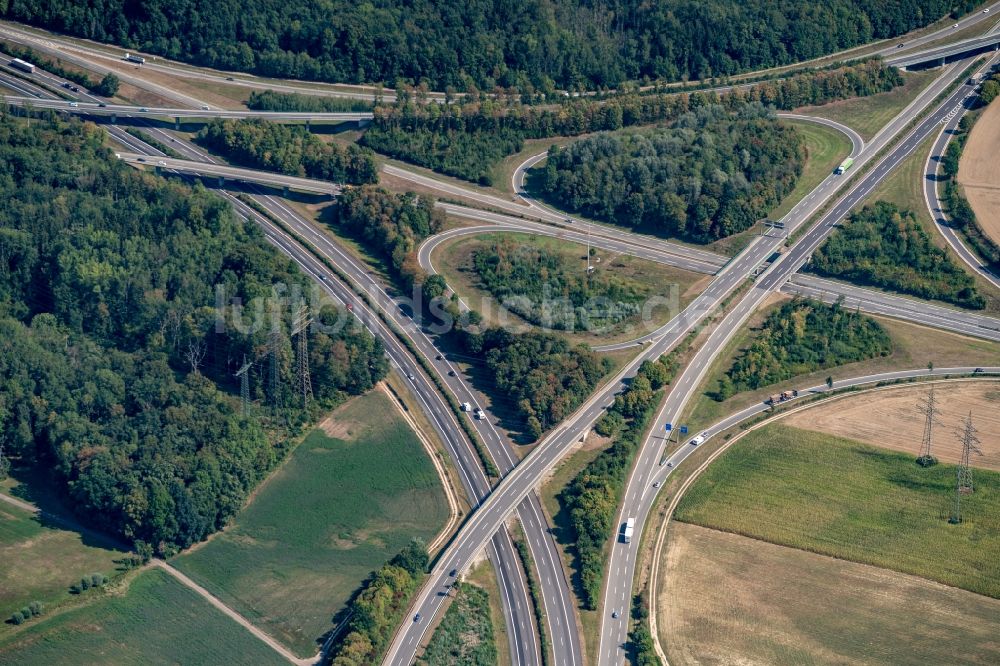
(979, 171)
(890, 419)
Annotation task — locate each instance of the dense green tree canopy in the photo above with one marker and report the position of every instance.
(883, 246)
(116, 368)
(710, 175)
(534, 43)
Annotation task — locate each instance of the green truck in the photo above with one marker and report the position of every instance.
(845, 165)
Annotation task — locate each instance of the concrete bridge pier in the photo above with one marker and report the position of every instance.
(177, 124)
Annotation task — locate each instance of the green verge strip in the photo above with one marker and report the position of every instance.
(155, 143)
(536, 595)
(484, 457)
(873, 162)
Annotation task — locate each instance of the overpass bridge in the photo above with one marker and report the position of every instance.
(224, 172)
(942, 54)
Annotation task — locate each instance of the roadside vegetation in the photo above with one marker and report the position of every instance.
(837, 497)
(115, 367)
(465, 635)
(269, 100)
(292, 559)
(743, 166)
(155, 620)
(391, 225)
(799, 337)
(960, 212)
(467, 139)
(591, 499)
(535, 45)
(542, 374)
(378, 609)
(884, 246)
(288, 149)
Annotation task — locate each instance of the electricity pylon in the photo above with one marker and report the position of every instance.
(244, 374)
(928, 407)
(963, 482)
(301, 328)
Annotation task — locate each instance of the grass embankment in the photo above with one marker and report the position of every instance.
(838, 497)
(913, 346)
(867, 115)
(157, 621)
(640, 279)
(41, 560)
(465, 635)
(728, 599)
(826, 148)
(340, 507)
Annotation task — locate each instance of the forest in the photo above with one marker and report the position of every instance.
(468, 138)
(710, 175)
(540, 373)
(117, 359)
(289, 149)
(535, 283)
(800, 337)
(534, 45)
(591, 498)
(886, 247)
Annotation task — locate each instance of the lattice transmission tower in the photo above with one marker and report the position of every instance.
(301, 329)
(963, 482)
(244, 374)
(928, 407)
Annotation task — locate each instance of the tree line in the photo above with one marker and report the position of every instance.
(377, 609)
(467, 139)
(289, 149)
(269, 100)
(545, 376)
(886, 247)
(591, 498)
(116, 365)
(708, 176)
(534, 45)
(960, 213)
(800, 337)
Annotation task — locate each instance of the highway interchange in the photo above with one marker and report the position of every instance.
(487, 528)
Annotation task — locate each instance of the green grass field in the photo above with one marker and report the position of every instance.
(841, 498)
(338, 509)
(465, 635)
(39, 560)
(158, 621)
(867, 115)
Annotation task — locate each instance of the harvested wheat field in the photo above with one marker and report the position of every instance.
(890, 419)
(730, 599)
(978, 173)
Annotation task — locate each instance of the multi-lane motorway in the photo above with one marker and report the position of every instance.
(638, 497)
(486, 528)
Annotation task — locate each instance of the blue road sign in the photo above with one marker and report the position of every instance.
(668, 427)
(684, 430)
